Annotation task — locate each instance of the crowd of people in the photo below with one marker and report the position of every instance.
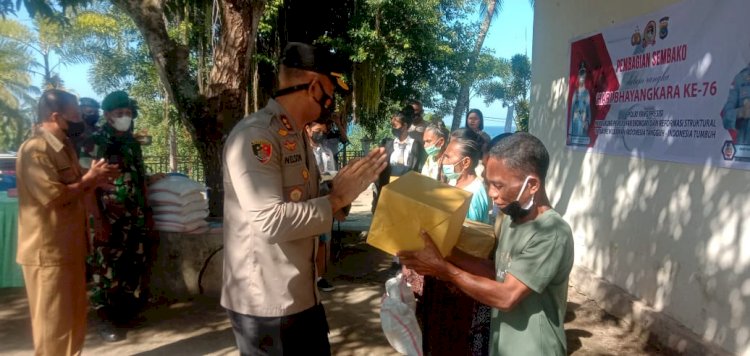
(86, 230)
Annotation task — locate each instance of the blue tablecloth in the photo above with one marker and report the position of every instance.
(10, 272)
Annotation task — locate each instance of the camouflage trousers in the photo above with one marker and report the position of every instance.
(119, 270)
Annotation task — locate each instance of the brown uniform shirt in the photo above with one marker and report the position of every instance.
(48, 236)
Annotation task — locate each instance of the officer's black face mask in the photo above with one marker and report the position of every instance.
(326, 101)
(326, 105)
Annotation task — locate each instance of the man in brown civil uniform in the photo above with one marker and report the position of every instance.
(52, 223)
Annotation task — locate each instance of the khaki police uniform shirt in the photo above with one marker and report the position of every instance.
(55, 235)
(272, 216)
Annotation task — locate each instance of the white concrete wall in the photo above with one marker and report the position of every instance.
(676, 236)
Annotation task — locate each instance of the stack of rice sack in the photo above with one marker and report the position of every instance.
(179, 205)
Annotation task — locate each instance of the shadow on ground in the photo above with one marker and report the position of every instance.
(200, 326)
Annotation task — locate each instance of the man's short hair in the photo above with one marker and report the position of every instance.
(524, 152)
(54, 100)
(293, 75)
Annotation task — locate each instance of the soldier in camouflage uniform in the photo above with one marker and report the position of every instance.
(120, 256)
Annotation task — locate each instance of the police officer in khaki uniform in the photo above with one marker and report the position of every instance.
(51, 225)
(273, 213)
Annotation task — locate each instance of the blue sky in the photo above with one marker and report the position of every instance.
(510, 33)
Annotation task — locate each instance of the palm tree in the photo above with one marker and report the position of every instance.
(16, 91)
(489, 9)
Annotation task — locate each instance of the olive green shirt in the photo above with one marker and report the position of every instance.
(539, 253)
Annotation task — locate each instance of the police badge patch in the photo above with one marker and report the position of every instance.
(262, 150)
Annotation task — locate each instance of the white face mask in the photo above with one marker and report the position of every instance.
(122, 123)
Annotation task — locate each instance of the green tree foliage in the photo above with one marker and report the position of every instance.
(204, 56)
(120, 60)
(17, 94)
(511, 85)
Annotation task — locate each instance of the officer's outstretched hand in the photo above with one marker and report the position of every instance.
(355, 177)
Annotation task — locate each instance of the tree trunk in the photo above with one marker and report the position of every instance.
(208, 118)
(462, 102)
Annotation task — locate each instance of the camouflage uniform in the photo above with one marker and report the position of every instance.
(119, 266)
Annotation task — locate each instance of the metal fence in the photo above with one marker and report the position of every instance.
(190, 166)
(344, 156)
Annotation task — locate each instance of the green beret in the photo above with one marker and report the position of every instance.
(116, 100)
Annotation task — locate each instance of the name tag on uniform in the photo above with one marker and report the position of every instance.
(291, 159)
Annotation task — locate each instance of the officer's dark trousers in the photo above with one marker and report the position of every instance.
(304, 333)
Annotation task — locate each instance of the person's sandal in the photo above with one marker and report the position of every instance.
(324, 285)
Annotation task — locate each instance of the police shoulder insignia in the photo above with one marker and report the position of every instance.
(290, 145)
(295, 194)
(286, 123)
(262, 150)
(283, 132)
(305, 174)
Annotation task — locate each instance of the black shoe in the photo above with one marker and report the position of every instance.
(325, 286)
(110, 333)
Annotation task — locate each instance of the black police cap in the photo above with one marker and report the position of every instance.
(315, 59)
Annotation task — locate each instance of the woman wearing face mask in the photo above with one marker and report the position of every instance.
(119, 261)
(459, 161)
(452, 322)
(435, 142)
(404, 153)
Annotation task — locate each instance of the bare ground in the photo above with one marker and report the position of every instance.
(200, 326)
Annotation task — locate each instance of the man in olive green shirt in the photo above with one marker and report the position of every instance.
(527, 283)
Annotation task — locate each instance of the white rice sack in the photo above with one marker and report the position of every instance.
(199, 230)
(167, 198)
(178, 209)
(182, 218)
(177, 185)
(182, 210)
(178, 227)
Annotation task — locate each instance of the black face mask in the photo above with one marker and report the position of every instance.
(326, 101)
(396, 132)
(326, 104)
(514, 209)
(318, 137)
(90, 119)
(75, 129)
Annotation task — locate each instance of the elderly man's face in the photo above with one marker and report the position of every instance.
(505, 183)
